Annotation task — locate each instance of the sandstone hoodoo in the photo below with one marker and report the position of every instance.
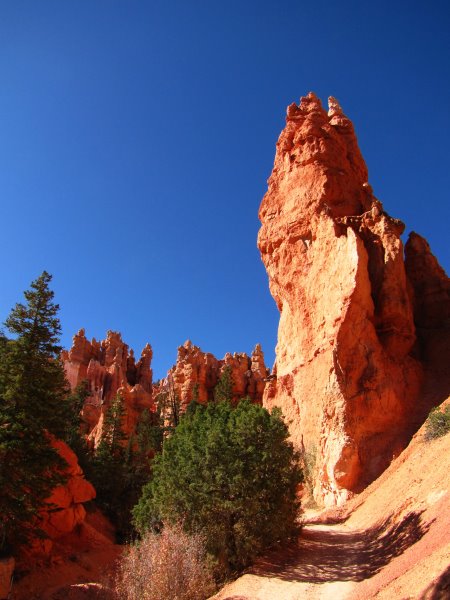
(196, 373)
(109, 368)
(349, 373)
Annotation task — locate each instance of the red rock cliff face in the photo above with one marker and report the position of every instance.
(109, 368)
(348, 376)
(195, 368)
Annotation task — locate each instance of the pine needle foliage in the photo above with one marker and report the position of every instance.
(121, 465)
(224, 388)
(230, 474)
(168, 406)
(75, 425)
(34, 405)
(109, 468)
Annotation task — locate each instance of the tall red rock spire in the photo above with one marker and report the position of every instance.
(347, 376)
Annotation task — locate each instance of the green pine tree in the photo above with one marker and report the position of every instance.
(110, 463)
(149, 435)
(141, 451)
(169, 406)
(113, 436)
(74, 425)
(33, 406)
(224, 388)
(229, 473)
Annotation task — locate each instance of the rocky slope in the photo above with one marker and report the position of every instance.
(66, 511)
(358, 331)
(87, 554)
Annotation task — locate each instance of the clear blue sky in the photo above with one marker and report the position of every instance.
(136, 138)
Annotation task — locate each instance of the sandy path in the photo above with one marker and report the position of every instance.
(329, 562)
(394, 544)
(325, 564)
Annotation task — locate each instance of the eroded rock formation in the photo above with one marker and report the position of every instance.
(109, 368)
(348, 363)
(66, 509)
(200, 371)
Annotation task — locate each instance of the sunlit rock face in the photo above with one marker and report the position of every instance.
(196, 373)
(65, 506)
(109, 368)
(348, 372)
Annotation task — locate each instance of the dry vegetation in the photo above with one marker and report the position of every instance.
(170, 565)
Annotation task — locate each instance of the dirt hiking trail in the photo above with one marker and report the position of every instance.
(392, 542)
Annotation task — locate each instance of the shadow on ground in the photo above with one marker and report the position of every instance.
(324, 554)
(440, 589)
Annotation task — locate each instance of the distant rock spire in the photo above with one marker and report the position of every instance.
(334, 108)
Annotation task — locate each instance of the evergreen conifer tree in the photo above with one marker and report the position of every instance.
(149, 435)
(110, 455)
(33, 406)
(169, 406)
(231, 474)
(224, 388)
(74, 425)
(111, 464)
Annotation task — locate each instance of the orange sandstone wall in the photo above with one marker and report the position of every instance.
(66, 509)
(348, 373)
(110, 368)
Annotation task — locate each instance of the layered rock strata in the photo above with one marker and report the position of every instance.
(348, 373)
(109, 368)
(196, 373)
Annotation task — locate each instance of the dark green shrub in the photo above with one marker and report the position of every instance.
(230, 474)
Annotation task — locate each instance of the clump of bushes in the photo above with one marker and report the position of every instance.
(166, 566)
(230, 473)
(438, 423)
